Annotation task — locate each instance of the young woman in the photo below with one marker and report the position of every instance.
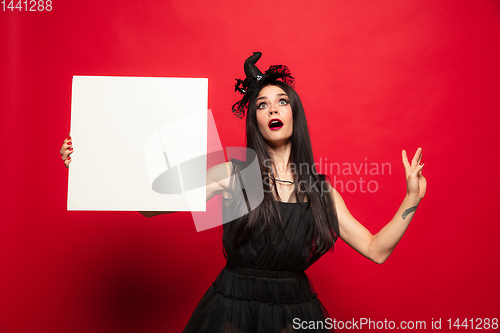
(263, 287)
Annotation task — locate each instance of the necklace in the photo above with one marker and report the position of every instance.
(282, 181)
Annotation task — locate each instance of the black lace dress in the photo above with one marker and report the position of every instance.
(263, 288)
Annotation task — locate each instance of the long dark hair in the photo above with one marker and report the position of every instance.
(312, 186)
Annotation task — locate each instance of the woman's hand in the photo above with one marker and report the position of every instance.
(67, 150)
(415, 182)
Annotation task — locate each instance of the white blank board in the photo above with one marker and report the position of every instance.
(129, 131)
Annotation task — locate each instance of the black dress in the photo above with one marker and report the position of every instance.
(263, 288)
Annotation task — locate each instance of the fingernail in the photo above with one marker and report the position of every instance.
(69, 138)
(69, 143)
(70, 148)
(421, 163)
(69, 157)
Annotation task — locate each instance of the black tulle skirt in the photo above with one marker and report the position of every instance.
(243, 300)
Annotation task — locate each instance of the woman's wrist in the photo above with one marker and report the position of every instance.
(412, 199)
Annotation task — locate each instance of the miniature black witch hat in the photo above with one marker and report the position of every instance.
(255, 80)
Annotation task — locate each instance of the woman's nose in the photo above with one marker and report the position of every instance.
(273, 109)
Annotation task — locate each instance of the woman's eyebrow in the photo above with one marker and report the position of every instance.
(278, 95)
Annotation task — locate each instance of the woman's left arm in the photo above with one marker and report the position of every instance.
(379, 247)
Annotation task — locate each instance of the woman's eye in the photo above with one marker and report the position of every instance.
(283, 102)
(261, 106)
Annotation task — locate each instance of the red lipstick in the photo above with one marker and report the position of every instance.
(275, 124)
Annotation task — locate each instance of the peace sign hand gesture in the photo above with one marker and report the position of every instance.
(415, 181)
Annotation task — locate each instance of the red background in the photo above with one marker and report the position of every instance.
(375, 77)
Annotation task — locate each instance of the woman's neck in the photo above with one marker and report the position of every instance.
(281, 157)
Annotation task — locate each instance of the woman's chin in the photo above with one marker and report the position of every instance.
(277, 140)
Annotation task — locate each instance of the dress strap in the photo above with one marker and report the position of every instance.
(265, 273)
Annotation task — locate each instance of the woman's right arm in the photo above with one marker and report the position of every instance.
(217, 183)
(217, 176)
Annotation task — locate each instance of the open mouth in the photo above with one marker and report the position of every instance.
(275, 124)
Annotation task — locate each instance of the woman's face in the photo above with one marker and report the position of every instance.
(274, 115)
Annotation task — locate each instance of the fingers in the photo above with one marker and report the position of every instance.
(406, 164)
(416, 182)
(417, 171)
(66, 151)
(421, 165)
(417, 157)
(67, 142)
(67, 162)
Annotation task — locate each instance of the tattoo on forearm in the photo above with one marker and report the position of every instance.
(409, 211)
